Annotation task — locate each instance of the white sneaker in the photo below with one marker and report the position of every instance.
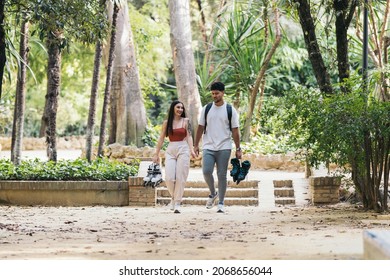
(172, 205)
(211, 200)
(177, 209)
(220, 208)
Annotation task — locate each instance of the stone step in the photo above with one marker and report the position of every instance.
(284, 192)
(282, 183)
(231, 184)
(284, 200)
(202, 201)
(204, 193)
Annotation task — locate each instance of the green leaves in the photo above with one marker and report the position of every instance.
(67, 170)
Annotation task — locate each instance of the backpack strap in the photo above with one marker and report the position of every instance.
(229, 113)
(208, 107)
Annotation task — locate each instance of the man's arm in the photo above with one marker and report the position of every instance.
(236, 139)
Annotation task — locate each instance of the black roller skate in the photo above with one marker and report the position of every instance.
(235, 169)
(157, 176)
(245, 165)
(149, 175)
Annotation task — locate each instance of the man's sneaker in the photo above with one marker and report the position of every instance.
(211, 200)
(177, 209)
(220, 208)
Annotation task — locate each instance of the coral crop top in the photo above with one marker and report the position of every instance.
(178, 134)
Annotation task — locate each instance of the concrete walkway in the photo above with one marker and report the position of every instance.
(266, 178)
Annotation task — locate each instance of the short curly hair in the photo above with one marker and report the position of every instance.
(217, 86)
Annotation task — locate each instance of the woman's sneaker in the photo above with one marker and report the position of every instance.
(221, 208)
(211, 200)
(172, 205)
(177, 209)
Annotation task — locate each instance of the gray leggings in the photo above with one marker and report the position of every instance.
(221, 159)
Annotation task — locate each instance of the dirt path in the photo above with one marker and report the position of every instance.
(287, 233)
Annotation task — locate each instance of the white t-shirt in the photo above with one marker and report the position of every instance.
(218, 135)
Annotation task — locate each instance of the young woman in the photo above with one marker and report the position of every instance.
(177, 155)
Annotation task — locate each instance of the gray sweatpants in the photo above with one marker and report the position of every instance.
(221, 160)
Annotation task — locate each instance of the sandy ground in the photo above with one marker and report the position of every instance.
(243, 233)
(264, 232)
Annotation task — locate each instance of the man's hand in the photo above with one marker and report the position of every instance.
(196, 150)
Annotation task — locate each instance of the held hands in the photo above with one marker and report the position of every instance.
(238, 154)
(195, 151)
(193, 154)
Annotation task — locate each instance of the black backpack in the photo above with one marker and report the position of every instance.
(229, 113)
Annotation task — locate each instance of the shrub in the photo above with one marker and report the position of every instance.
(100, 169)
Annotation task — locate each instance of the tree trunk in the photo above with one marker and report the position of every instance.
(343, 19)
(259, 78)
(183, 59)
(93, 100)
(3, 57)
(127, 109)
(107, 90)
(53, 90)
(315, 57)
(18, 123)
(202, 24)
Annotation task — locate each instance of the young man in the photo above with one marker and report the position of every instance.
(217, 143)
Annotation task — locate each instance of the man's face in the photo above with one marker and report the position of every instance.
(217, 95)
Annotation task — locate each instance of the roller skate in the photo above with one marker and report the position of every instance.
(235, 169)
(157, 176)
(245, 165)
(149, 175)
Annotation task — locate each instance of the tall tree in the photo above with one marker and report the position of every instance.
(183, 58)
(2, 44)
(53, 90)
(107, 90)
(260, 79)
(309, 33)
(127, 109)
(94, 94)
(19, 109)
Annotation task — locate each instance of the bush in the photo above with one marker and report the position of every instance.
(67, 170)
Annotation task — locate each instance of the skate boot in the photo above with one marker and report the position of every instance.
(157, 176)
(245, 165)
(149, 175)
(235, 169)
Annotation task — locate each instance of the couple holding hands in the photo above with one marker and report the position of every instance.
(222, 124)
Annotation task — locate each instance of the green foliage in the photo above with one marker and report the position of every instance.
(101, 169)
(333, 129)
(265, 144)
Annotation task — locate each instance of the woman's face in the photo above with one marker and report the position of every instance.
(179, 108)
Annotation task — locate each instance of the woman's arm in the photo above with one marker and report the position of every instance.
(190, 141)
(160, 142)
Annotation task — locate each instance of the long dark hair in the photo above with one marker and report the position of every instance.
(171, 116)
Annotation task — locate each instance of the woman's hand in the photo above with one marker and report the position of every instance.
(156, 159)
(193, 154)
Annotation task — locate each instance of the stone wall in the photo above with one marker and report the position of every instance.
(30, 143)
(324, 190)
(258, 161)
(128, 153)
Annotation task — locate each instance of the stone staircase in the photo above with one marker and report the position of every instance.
(284, 192)
(197, 192)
